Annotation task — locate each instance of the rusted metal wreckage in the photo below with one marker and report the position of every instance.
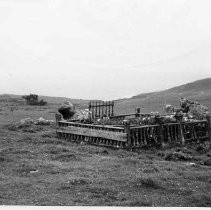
(126, 134)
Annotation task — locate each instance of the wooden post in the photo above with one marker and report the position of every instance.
(112, 114)
(103, 104)
(209, 126)
(138, 110)
(161, 134)
(95, 109)
(58, 118)
(181, 133)
(106, 108)
(179, 120)
(99, 106)
(127, 130)
(109, 108)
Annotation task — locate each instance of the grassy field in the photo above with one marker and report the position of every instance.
(39, 169)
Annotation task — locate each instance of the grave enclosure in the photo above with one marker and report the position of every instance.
(129, 135)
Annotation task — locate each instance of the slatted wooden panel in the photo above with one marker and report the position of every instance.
(93, 134)
(101, 108)
(167, 133)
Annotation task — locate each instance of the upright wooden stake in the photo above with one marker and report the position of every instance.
(209, 127)
(109, 111)
(127, 130)
(106, 109)
(112, 114)
(138, 110)
(161, 134)
(58, 118)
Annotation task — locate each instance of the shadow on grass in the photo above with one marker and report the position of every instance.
(147, 182)
(66, 158)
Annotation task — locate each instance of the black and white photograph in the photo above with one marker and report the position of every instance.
(105, 103)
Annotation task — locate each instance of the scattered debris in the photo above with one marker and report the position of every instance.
(26, 121)
(34, 171)
(191, 164)
(42, 121)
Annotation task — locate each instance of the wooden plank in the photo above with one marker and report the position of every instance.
(92, 126)
(118, 136)
(144, 126)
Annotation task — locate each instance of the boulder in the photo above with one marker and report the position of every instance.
(67, 110)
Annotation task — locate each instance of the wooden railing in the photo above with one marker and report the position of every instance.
(134, 136)
(167, 133)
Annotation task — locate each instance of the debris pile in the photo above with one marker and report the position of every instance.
(42, 121)
(193, 109)
(189, 110)
(29, 122)
(82, 115)
(69, 112)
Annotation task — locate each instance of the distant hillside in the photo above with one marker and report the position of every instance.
(50, 99)
(199, 90)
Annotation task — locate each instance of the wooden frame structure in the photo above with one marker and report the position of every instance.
(131, 136)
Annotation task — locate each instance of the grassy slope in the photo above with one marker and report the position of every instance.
(39, 169)
(199, 90)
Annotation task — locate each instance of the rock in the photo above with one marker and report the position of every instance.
(191, 164)
(26, 121)
(67, 110)
(42, 121)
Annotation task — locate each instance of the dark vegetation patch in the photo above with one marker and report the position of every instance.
(71, 184)
(48, 135)
(106, 194)
(66, 157)
(24, 169)
(203, 148)
(138, 203)
(147, 182)
(178, 156)
(4, 159)
(207, 162)
(52, 149)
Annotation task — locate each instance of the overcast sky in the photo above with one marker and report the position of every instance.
(102, 49)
